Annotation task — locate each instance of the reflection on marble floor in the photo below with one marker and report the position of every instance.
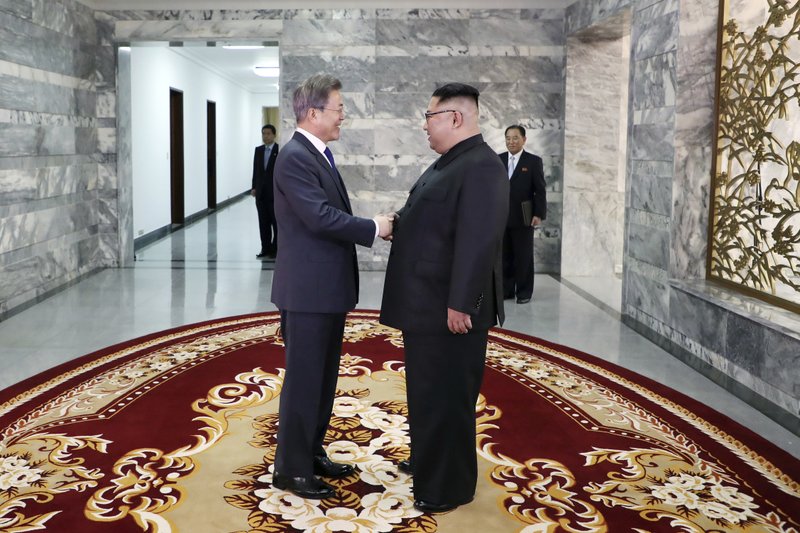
(209, 270)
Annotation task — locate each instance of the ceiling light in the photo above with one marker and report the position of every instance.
(267, 72)
(243, 46)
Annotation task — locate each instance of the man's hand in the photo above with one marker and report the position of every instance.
(252, 192)
(536, 222)
(458, 322)
(385, 225)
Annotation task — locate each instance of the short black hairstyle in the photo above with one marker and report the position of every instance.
(455, 90)
(269, 127)
(516, 127)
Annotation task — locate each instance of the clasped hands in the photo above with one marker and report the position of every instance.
(385, 224)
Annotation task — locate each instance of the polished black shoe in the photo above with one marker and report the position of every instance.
(305, 487)
(323, 466)
(428, 507)
(262, 255)
(405, 466)
(523, 300)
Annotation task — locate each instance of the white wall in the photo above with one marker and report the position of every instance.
(154, 70)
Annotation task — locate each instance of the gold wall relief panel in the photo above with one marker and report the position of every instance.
(755, 217)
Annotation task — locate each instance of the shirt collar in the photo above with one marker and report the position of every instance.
(318, 144)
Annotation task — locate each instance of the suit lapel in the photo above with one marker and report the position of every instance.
(322, 161)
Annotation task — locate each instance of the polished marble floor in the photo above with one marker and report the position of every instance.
(208, 270)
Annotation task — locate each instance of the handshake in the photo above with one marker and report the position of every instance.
(385, 224)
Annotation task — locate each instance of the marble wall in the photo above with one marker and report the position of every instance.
(595, 146)
(58, 213)
(65, 203)
(740, 342)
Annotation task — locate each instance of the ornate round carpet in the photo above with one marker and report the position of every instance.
(176, 432)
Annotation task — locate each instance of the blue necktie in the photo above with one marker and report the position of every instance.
(329, 155)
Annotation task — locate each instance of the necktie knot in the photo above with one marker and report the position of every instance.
(329, 155)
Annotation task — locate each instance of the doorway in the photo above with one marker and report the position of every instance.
(176, 163)
(211, 153)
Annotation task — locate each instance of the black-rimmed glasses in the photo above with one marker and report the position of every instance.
(429, 114)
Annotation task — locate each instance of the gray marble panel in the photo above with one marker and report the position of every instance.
(648, 244)
(25, 185)
(180, 30)
(357, 177)
(400, 136)
(440, 14)
(584, 13)
(691, 191)
(744, 344)
(652, 142)
(650, 296)
(354, 142)
(21, 94)
(700, 321)
(415, 32)
(499, 31)
(654, 36)
(31, 45)
(70, 18)
(398, 177)
(328, 32)
(781, 361)
(105, 72)
(651, 193)
(401, 104)
(546, 254)
(529, 105)
(18, 8)
(36, 140)
(352, 71)
(654, 83)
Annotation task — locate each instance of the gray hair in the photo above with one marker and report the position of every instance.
(313, 94)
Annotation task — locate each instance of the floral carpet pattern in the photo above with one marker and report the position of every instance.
(176, 431)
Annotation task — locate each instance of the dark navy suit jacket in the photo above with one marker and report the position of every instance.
(316, 270)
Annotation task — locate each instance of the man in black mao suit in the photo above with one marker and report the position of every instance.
(314, 285)
(263, 167)
(527, 208)
(443, 289)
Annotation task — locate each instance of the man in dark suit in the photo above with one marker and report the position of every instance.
(315, 284)
(527, 208)
(443, 289)
(263, 167)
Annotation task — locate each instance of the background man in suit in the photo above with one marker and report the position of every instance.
(527, 208)
(315, 284)
(443, 289)
(263, 167)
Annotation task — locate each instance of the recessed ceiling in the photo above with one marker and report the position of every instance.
(234, 65)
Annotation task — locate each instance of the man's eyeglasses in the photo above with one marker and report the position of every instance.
(429, 114)
(340, 110)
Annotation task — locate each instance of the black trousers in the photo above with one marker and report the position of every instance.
(518, 262)
(267, 226)
(443, 379)
(313, 344)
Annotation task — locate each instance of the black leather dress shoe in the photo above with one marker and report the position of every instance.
(523, 300)
(261, 255)
(405, 466)
(305, 487)
(428, 507)
(323, 466)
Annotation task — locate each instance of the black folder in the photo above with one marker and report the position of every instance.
(527, 212)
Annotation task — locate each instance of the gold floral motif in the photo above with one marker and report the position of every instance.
(688, 494)
(146, 482)
(756, 189)
(768, 470)
(37, 468)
